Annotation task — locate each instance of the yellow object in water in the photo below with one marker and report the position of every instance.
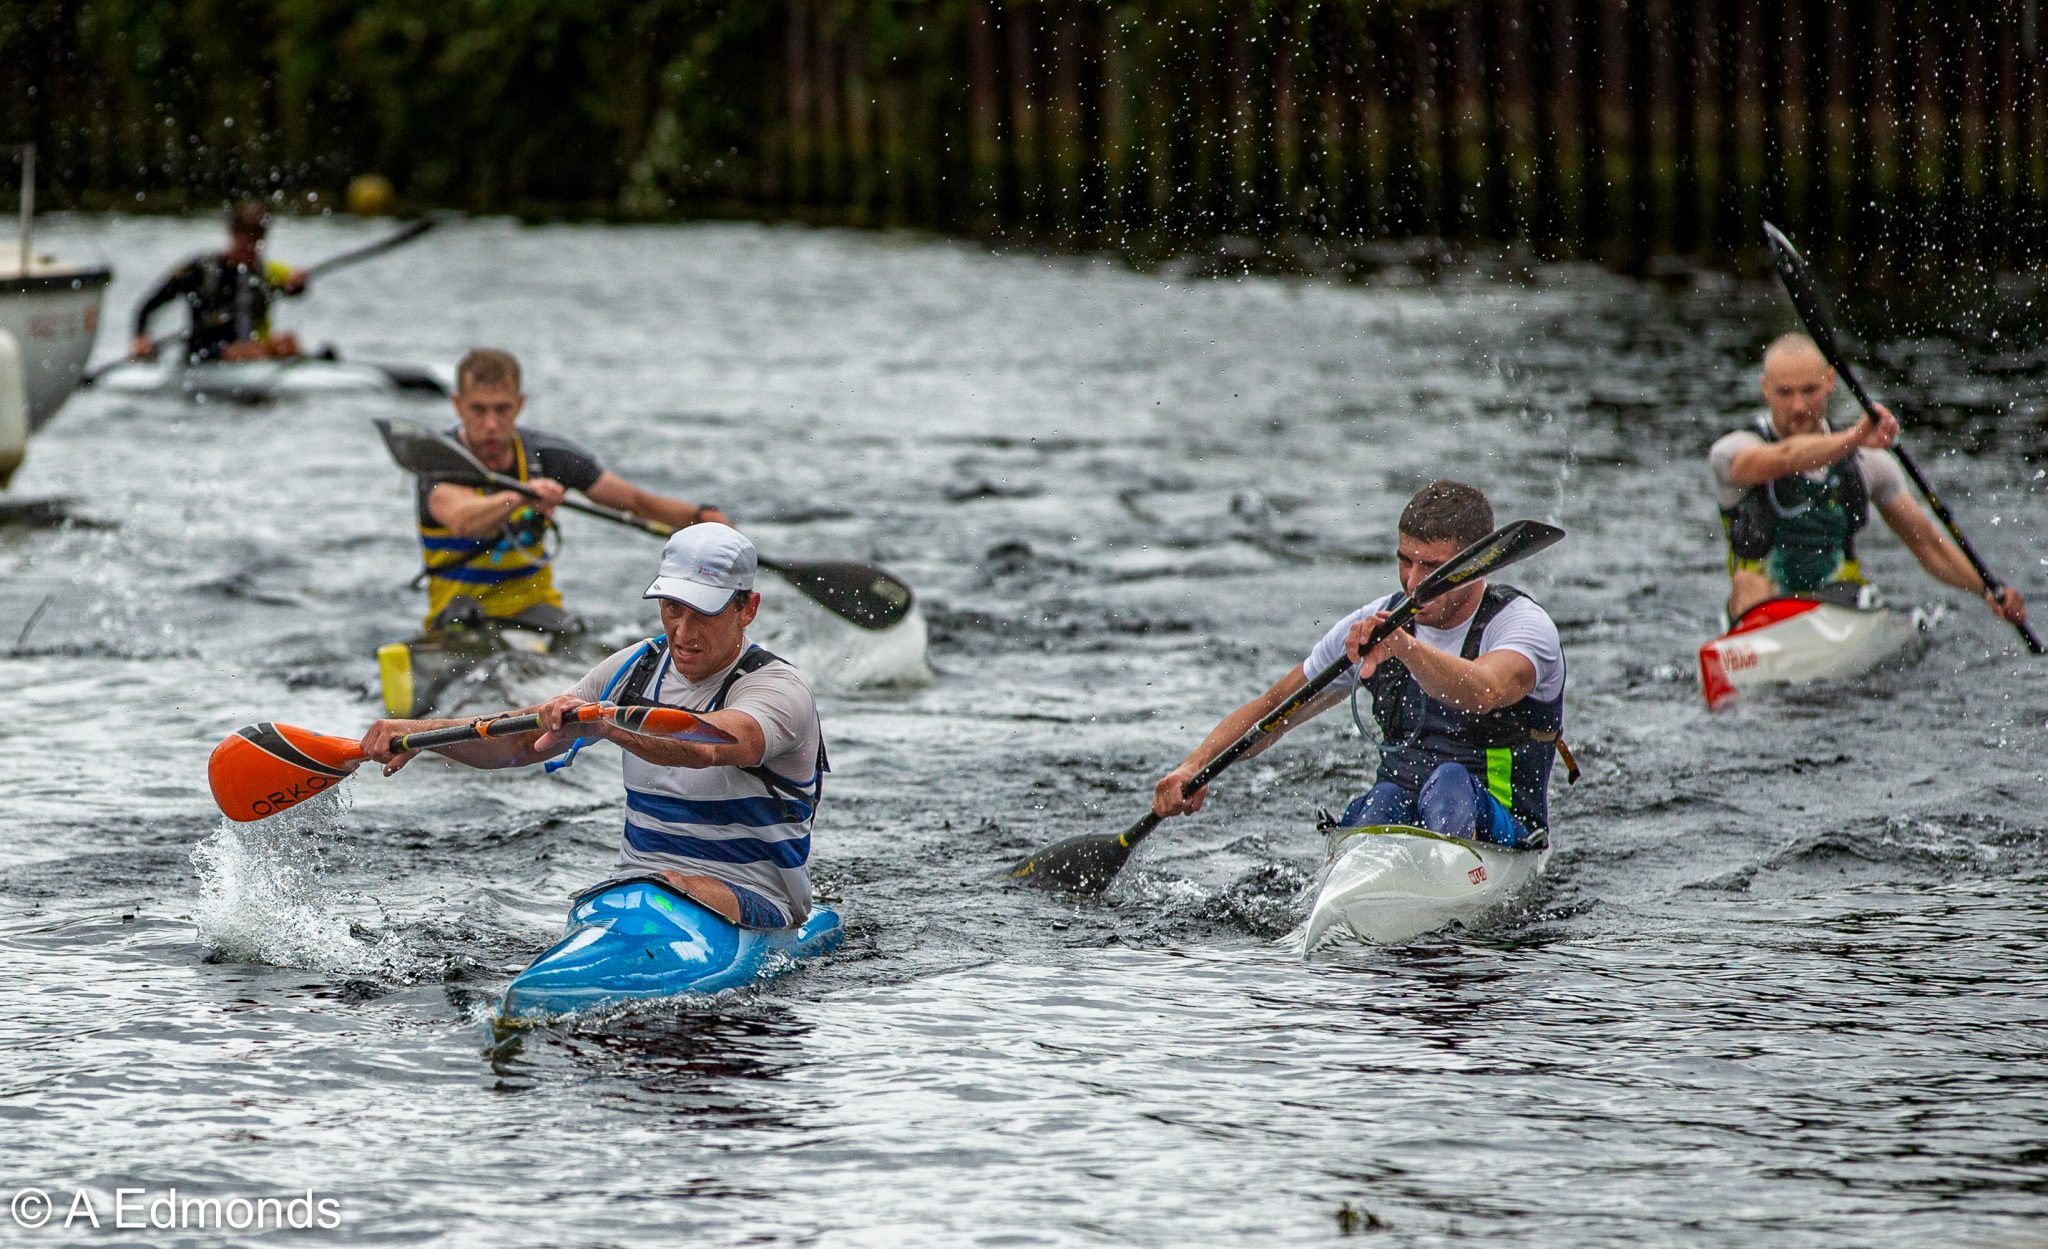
(394, 673)
(371, 195)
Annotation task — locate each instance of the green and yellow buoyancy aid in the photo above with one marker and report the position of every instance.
(1799, 532)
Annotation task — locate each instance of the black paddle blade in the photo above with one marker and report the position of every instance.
(1805, 293)
(860, 593)
(420, 450)
(1506, 545)
(1084, 864)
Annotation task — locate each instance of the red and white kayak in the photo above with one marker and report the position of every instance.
(1795, 641)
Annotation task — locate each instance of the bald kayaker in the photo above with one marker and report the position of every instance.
(1794, 494)
(487, 551)
(1469, 698)
(228, 296)
(728, 825)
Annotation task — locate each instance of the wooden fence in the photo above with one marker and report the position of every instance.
(1582, 126)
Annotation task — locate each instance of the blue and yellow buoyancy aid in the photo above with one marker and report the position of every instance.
(1799, 532)
(507, 573)
(1512, 748)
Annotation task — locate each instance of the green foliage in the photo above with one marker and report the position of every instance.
(587, 105)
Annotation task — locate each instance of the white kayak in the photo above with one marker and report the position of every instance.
(1793, 641)
(1387, 883)
(260, 381)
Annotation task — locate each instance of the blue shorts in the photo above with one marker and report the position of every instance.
(1451, 802)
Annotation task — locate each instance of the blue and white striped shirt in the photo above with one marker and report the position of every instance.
(723, 822)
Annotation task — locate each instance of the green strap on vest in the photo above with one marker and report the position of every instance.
(1500, 775)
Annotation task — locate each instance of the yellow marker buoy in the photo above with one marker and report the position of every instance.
(371, 195)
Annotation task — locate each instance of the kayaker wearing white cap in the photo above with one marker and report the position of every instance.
(729, 825)
(1794, 493)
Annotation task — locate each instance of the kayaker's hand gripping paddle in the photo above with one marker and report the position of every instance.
(1089, 862)
(266, 768)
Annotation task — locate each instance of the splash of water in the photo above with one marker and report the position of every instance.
(264, 897)
(841, 657)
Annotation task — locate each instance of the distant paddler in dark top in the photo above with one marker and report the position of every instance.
(1468, 698)
(228, 296)
(488, 552)
(1795, 494)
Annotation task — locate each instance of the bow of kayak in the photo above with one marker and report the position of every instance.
(1387, 883)
(641, 939)
(1790, 641)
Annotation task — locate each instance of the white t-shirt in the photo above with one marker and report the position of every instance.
(1522, 627)
(776, 696)
(1883, 479)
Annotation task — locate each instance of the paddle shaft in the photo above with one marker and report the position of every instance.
(367, 250)
(1275, 719)
(611, 514)
(516, 486)
(475, 730)
(1799, 284)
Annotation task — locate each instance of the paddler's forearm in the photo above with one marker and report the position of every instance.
(1463, 684)
(1240, 722)
(1942, 558)
(479, 515)
(612, 490)
(747, 749)
(675, 513)
(1228, 730)
(1801, 453)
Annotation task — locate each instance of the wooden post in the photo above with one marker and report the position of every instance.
(1688, 23)
(1283, 168)
(1116, 143)
(1645, 222)
(1026, 120)
(1550, 56)
(1862, 194)
(1498, 163)
(1593, 191)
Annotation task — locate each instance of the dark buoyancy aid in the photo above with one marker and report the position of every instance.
(229, 303)
(1805, 529)
(628, 688)
(1511, 750)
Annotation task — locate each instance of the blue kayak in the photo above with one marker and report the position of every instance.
(642, 939)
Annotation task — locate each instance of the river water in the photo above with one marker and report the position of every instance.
(1782, 985)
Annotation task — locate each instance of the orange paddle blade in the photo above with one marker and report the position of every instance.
(664, 722)
(265, 768)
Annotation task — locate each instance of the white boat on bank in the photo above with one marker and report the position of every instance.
(1798, 641)
(49, 316)
(1387, 883)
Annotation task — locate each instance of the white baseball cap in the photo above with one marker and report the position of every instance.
(704, 566)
